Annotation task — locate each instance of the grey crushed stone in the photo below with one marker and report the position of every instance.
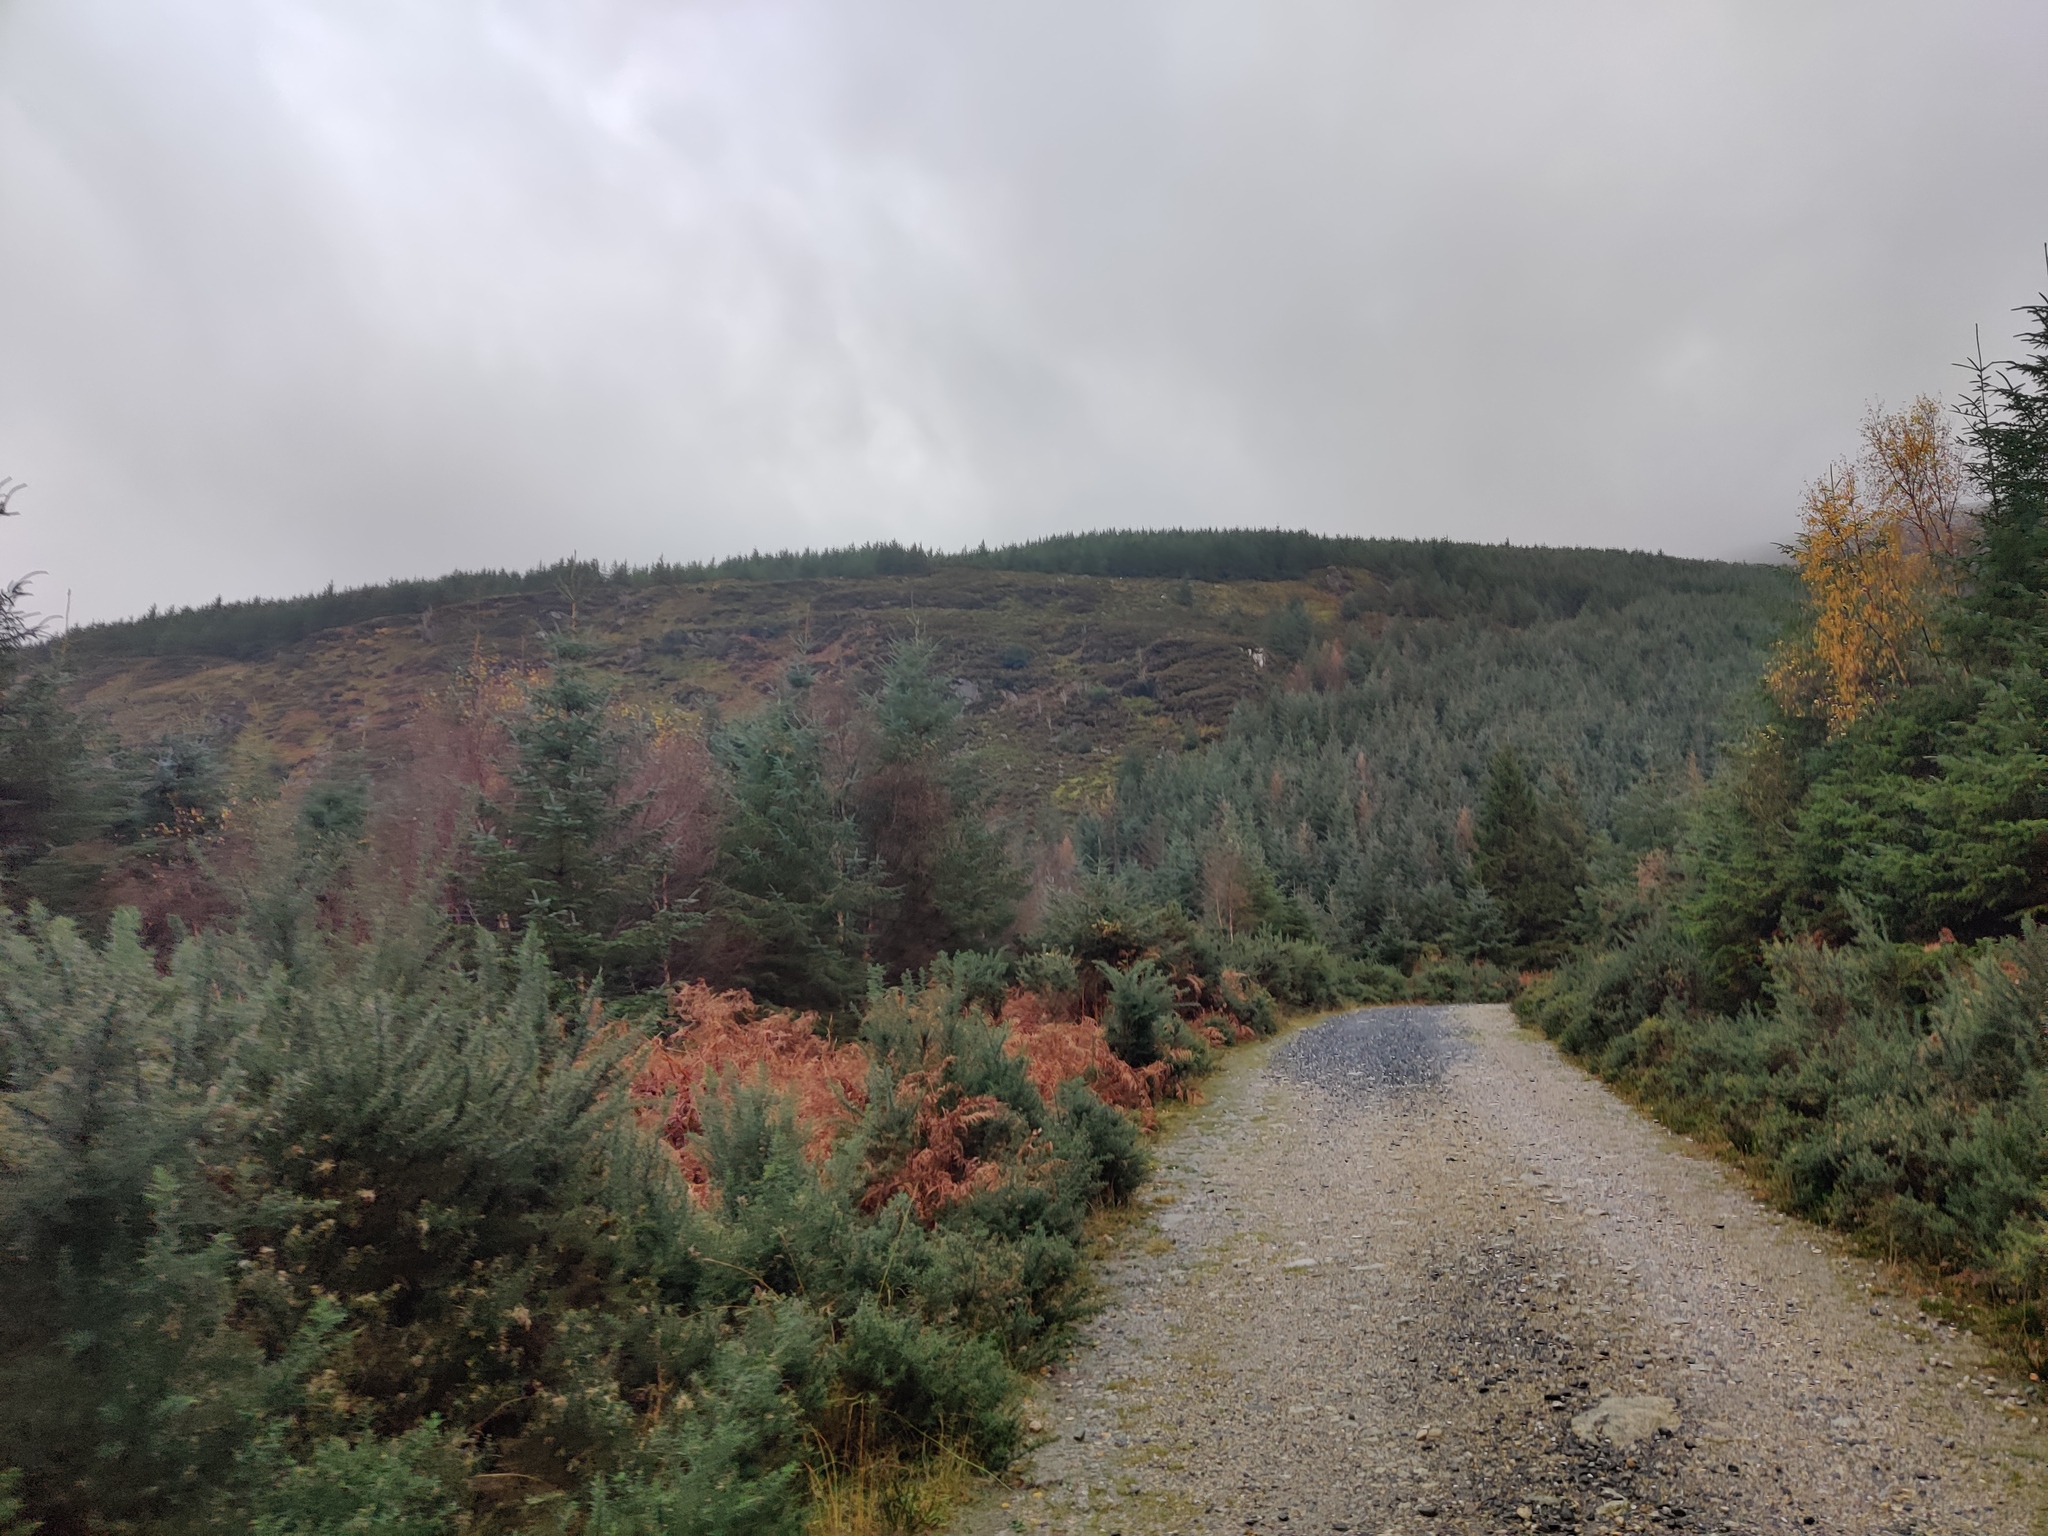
(1399, 1253)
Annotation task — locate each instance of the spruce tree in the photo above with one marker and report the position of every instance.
(1531, 856)
(792, 894)
(2007, 428)
(949, 881)
(566, 853)
(177, 786)
(52, 790)
(1291, 631)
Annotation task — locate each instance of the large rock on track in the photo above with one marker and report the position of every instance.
(1622, 1421)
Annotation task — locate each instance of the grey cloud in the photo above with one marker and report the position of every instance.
(298, 292)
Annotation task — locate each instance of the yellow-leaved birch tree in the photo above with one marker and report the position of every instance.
(1877, 552)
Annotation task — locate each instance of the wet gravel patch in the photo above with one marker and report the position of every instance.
(1374, 1050)
(1380, 1302)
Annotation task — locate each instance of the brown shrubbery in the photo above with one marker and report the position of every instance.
(724, 1042)
(722, 1039)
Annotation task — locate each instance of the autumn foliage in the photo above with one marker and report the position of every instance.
(722, 1042)
(723, 1039)
(942, 1167)
(1058, 1050)
(1878, 549)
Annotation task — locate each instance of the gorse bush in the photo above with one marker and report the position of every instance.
(213, 1146)
(982, 978)
(1300, 973)
(391, 1238)
(1606, 992)
(355, 1483)
(1050, 973)
(1879, 1087)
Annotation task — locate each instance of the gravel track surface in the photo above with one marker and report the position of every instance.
(1401, 1252)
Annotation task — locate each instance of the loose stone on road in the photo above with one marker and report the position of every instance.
(1409, 1271)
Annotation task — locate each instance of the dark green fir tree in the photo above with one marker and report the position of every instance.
(1531, 856)
(566, 851)
(792, 894)
(950, 883)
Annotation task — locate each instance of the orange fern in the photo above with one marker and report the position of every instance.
(940, 1170)
(726, 1037)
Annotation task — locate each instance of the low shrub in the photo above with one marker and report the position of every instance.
(1057, 1050)
(1371, 982)
(1608, 992)
(1135, 1022)
(1460, 981)
(1895, 1091)
(1301, 973)
(974, 978)
(1050, 974)
(1107, 1140)
(1247, 1003)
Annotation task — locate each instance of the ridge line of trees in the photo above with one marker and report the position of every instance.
(1437, 570)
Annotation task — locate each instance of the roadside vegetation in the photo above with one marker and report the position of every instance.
(1828, 963)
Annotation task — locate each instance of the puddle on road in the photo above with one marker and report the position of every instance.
(1375, 1051)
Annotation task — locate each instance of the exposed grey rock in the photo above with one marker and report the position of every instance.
(1625, 1420)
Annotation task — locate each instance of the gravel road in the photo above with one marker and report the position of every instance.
(1409, 1271)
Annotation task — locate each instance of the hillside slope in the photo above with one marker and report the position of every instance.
(1062, 670)
(1058, 674)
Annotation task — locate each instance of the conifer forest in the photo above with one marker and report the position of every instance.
(615, 1049)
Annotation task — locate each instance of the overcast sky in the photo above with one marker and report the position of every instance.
(296, 292)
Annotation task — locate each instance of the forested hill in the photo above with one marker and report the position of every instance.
(1422, 578)
(1317, 714)
(1068, 654)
